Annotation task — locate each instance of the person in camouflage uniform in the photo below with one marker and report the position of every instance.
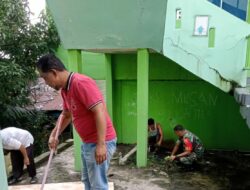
(191, 147)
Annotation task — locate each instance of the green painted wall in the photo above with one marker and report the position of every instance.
(63, 55)
(219, 57)
(177, 97)
(94, 65)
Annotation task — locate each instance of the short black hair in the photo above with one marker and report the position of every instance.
(151, 121)
(48, 62)
(179, 128)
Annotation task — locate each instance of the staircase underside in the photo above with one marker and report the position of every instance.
(242, 96)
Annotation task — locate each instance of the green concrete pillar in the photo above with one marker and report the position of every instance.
(109, 85)
(248, 43)
(3, 177)
(142, 106)
(75, 65)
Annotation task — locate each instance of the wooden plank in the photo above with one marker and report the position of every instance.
(55, 186)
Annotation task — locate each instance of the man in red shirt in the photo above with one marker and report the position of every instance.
(83, 104)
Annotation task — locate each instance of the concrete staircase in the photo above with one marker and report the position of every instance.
(225, 70)
(242, 96)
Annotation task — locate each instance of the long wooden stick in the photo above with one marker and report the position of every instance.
(58, 125)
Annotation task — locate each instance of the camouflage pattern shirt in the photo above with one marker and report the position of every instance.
(191, 143)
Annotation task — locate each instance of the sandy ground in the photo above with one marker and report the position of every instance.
(220, 171)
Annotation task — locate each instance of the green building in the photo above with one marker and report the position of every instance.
(178, 61)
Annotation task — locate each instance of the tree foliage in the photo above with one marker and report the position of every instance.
(21, 44)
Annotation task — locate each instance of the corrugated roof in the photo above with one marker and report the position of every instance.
(44, 97)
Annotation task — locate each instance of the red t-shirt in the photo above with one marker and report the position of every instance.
(81, 95)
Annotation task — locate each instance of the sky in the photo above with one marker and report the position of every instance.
(36, 6)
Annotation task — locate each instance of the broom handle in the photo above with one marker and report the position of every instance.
(51, 153)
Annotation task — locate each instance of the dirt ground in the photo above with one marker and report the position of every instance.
(220, 171)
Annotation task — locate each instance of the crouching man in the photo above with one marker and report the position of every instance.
(155, 135)
(189, 146)
(19, 143)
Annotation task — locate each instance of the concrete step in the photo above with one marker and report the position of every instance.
(242, 96)
(248, 81)
(245, 113)
(248, 122)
